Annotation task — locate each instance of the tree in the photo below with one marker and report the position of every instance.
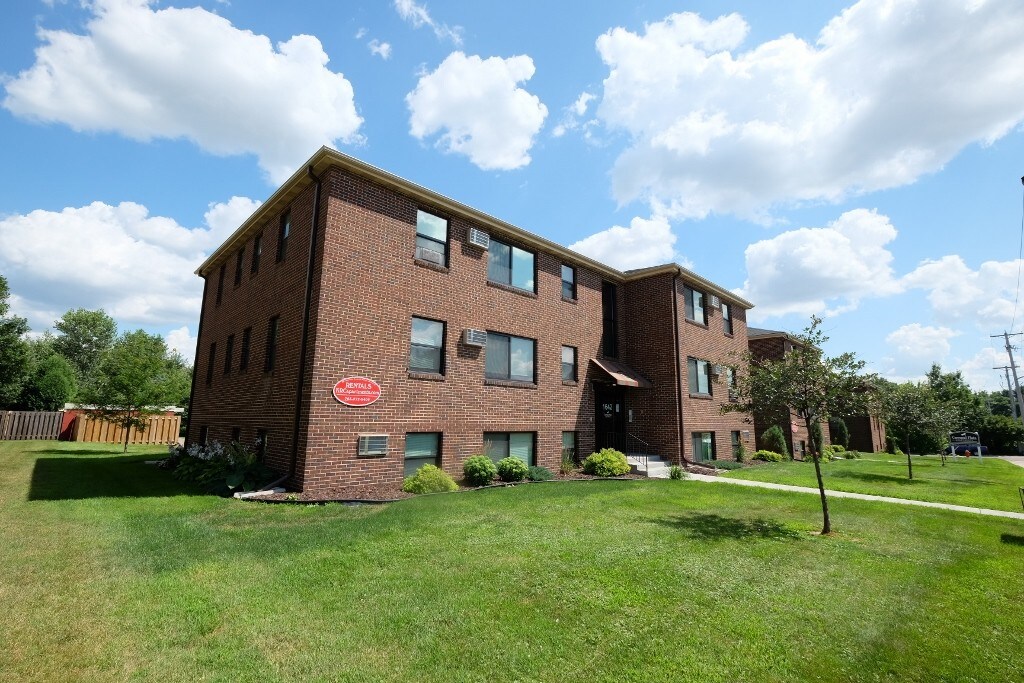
(817, 387)
(953, 392)
(1001, 433)
(840, 432)
(131, 379)
(14, 351)
(51, 384)
(775, 441)
(910, 410)
(84, 337)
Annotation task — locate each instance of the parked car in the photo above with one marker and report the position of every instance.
(962, 449)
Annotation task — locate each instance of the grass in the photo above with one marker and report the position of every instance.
(986, 483)
(111, 570)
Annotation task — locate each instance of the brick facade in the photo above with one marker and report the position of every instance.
(366, 288)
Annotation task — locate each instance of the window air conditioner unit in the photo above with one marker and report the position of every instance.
(717, 369)
(479, 238)
(429, 255)
(373, 444)
(715, 302)
(475, 338)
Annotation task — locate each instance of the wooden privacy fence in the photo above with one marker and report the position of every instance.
(161, 429)
(29, 424)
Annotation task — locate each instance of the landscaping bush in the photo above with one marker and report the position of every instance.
(608, 462)
(827, 454)
(840, 432)
(429, 479)
(850, 455)
(774, 441)
(837, 448)
(741, 453)
(727, 465)
(222, 469)
(676, 472)
(479, 470)
(512, 469)
(568, 463)
(538, 473)
(768, 456)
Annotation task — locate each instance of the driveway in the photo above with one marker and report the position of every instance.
(1017, 460)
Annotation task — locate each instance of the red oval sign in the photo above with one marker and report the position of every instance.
(357, 391)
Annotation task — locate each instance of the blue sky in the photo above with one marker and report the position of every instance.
(860, 161)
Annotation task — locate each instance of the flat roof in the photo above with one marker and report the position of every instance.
(325, 158)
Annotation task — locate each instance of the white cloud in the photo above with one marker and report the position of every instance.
(182, 341)
(137, 267)
(799, 271)
(891, 90)
(977, 370)
(478, 109)
(418, 16)
(921, 342)
(571, 117)
(382, 50)
(188, 73)
(646, 242)
(957, 293)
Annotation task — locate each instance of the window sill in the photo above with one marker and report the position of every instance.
(570, 301)
(512, 383)
(428, 376)
(371, 455)
(514, 290)
(570, 383)
(703, 397)
(429, 265)
(730, 335)
(702, 326)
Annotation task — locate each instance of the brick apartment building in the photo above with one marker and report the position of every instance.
(458, 334)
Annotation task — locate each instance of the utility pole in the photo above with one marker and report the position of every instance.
(1013, 365)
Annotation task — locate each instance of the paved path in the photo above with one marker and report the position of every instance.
(859, 496)
(1017, 460)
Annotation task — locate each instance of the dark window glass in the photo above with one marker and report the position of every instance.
(510, 265)
(204, 435)
(568, 282)
(257, 251)
(569, 363)
(509, 357)
(210, 362)
(699, 376)
(422, 449)
(243, 362)
(283, 232)
(229, 351)
(695, 305)
(726, 318)
(236, 434)
(735, 444)
(498, 445)
(220, 283)
(270, 357)
(426, 350)
(431, 238)
(569, 446)
(703, 446)
(261, 443)
(610, 331)
(239, 262)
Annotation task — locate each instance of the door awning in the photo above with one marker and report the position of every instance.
(621, 374)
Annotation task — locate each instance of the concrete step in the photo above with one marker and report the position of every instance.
(651, 465)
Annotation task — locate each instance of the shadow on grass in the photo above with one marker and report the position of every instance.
(872, 477)
(707, 527)
(125, 476)
(1012, 539)
(79, 451)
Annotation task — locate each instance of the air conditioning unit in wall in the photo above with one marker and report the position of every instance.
(475, 337)
(479, 238)
(717, 369)
(429, 255)
(715, 302)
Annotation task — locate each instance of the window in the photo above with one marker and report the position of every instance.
(736, 445)
(422, 449)
(210, 362)
(699, 375)
(283, 232)
(426, 350)
(568, 364)
(373, 444)
(261, 443)
(508, 357)
(239, 262)
(243, 362)
(257, 251)
(268, 360)
(229, 350)
(568, 282)
(510, 265)
(726, 318)
(703, 446)
(236, 434)
(609, 313)
(695, 305)
(220, 283)
(431, 238)
(204, 435)
(498, 445)
(569, 446)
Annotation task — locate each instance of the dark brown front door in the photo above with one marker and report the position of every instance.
(610, 417)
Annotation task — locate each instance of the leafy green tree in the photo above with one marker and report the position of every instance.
(914, 410)
(14, 351)
(84, 336)
(50, 385)
(775, 441)
(1001, 433)
(950, 390)
(840, 432)
(131, 380)
(817, 387)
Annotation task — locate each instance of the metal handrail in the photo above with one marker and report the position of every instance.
(621, 441)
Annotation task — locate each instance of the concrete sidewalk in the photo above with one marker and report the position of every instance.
(1017, 460)
(859, 496)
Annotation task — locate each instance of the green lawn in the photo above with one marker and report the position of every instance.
(987, 483)
(112, 571)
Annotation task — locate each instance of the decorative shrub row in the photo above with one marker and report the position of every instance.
(429, 479)
(607, 462)
(479, 470)
(219, 469)
(768, 456)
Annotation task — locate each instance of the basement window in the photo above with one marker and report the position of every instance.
(373, 445)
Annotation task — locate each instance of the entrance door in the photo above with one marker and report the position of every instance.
(610, 417)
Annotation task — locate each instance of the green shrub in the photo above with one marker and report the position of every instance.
(608, 462)
(568, 463)
(827, 454)
(512, 469)
(727, 465)
(429, 479)
(223, 469)
(741, 453)
(538, 473)
(479, 470)
(850, 455)
(676, 472)
(840, 432)
(838, 448)
(774, 440)
(768, 456)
